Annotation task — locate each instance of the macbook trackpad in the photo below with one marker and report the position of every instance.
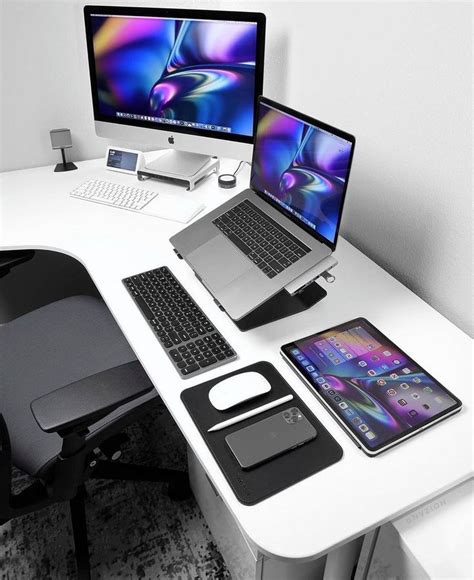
(218, 262)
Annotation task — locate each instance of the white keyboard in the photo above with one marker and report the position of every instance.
(178, 208)
(116, 194)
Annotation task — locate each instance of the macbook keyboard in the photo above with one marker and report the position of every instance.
(265, 242)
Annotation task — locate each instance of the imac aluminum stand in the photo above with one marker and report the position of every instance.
(179, 167)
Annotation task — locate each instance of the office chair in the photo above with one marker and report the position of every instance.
(69, 384)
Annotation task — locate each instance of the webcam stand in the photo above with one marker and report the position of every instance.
(65, 165)
(179, 167)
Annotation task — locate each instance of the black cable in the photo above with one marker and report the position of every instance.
(239, 167)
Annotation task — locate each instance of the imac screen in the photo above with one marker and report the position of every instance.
(301, 168)
(195, 74)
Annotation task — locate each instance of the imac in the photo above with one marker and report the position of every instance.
(182, 80)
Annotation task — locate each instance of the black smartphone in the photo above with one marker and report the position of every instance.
(270, 437)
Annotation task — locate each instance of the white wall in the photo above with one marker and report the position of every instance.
(396, 74)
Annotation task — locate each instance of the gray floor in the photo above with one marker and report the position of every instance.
(135, 531)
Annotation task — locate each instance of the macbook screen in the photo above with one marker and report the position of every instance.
(302, 168)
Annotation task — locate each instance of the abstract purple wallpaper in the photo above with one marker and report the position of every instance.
(369, 381)
(192, 72)
(302, 168)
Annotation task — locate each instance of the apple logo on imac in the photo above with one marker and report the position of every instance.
(171, 140)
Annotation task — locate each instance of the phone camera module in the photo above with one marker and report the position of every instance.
(292, 416)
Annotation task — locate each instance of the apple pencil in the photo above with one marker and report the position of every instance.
(251, 413)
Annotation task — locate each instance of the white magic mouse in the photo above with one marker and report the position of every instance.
(237, 389)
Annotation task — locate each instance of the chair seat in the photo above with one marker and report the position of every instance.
(48, 348)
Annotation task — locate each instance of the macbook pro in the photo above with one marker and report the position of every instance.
(256, 243)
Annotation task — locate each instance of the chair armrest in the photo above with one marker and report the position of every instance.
(84, 402)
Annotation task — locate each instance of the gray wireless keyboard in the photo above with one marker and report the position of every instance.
(186, 334)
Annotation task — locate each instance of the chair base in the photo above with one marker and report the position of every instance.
(178, 480)
(79, 530)
(178, 489)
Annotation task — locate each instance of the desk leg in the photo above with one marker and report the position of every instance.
(272, 569)
(342, 562)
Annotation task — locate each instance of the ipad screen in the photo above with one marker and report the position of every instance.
(379, 392)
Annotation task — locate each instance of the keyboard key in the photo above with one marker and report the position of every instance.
(190, 369)
(207, 362)
(175, 338)
(299, 252)
(276, 266)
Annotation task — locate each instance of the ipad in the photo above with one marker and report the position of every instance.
(377, 392)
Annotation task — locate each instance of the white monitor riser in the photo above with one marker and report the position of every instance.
(179, 167)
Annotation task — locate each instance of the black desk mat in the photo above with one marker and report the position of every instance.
(254, 485)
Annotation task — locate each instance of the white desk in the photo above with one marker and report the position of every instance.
(337, 504)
